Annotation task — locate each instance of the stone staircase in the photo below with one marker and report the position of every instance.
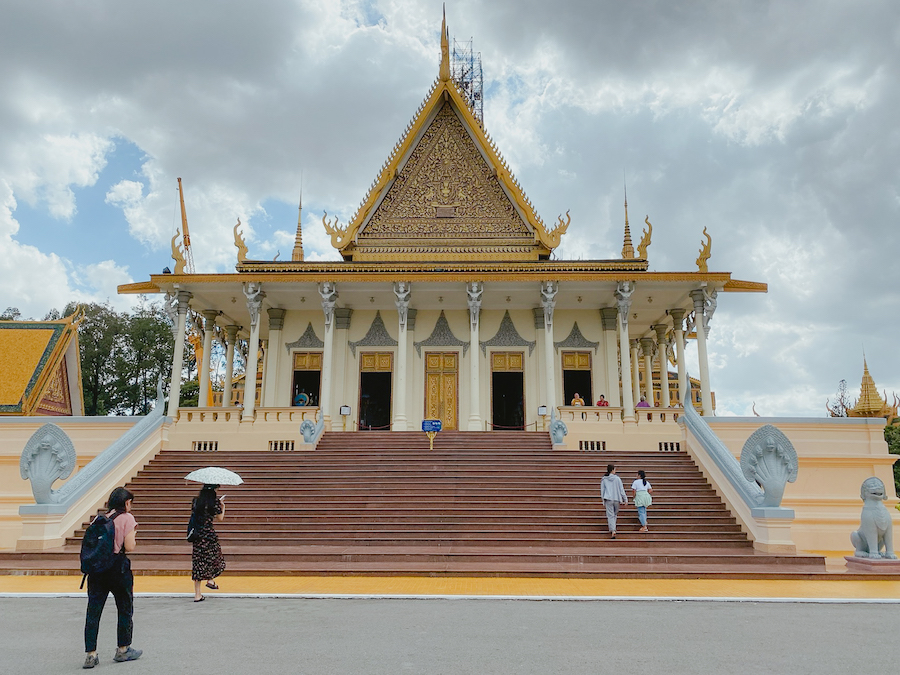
(481, 503)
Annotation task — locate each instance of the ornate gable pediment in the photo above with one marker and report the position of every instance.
(446, 201)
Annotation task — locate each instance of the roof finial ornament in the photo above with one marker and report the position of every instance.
(177, 255)
(239, 243)
(627, 248)
(645, 240)
(297, 255)
(445, 49)
(705, 252)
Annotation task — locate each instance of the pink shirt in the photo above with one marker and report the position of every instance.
(125, 524)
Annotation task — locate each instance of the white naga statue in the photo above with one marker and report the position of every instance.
(768, 459)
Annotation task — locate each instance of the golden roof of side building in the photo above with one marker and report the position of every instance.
(36, 376)
(870, 402)
(445, 193)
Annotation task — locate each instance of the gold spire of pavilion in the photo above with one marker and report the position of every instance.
(870, 403)
(627, 247)
(297, 255)
(445, 49)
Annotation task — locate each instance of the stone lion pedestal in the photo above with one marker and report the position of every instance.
(872, 565)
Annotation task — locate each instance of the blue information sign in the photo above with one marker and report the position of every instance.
(431, 425)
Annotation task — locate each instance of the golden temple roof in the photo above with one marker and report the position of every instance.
(445, 193)
(32, 359)
(870, 402)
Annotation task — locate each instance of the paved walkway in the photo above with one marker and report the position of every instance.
(457, 637)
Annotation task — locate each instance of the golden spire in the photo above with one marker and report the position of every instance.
(627, 248)
(297, 255)
(445, 49)
(870, 403)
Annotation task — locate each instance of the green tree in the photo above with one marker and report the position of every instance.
(892, 436)
(190, 394)
(101, 344)
(146, 356)
(11, 314)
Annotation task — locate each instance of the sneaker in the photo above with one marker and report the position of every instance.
(128, 655)
(91, 660)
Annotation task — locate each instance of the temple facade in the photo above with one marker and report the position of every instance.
(447, 304)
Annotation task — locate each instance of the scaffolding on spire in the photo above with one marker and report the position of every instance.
(466, 70)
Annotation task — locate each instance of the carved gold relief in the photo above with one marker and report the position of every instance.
(445, 191)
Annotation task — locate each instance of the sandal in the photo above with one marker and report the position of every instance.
(200, 599)
(212, 585)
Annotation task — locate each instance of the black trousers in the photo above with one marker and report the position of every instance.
(120, 582)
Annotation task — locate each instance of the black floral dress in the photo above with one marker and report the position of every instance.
(207, 561)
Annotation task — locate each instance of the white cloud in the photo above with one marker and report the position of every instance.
(777, 133)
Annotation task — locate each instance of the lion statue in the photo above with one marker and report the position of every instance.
(875, 530)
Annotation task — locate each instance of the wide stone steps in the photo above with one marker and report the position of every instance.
(492, 503)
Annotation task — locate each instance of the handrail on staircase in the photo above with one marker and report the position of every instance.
(750, 493)
(59, 501)
(769, 526)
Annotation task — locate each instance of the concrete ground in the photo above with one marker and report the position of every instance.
(223, 635)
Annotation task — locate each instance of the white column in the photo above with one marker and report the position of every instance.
(328, 291)
(209, 324)
(273, 356)
(549, 289)
(230, 340)
(402, 294)
(635, 371)
(701, 326)
(647, 349)
(184, 298)
(624, 291)
(474, 292)
(255, 296)
(662, 355)
(609, 320)
(684, 391)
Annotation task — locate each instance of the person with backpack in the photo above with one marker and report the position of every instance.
(104, 562)
(207, 561)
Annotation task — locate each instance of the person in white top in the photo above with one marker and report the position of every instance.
(642, 489)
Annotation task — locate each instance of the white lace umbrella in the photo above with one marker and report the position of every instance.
(214, 475)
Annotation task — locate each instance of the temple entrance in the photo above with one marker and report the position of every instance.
(307, 380)
(577, 377)
(376, 372)
(507, 390)
(442, 388)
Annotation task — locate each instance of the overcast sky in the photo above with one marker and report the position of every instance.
(773, 124)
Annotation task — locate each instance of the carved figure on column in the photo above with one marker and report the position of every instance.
(328, 291)
(474, 291)
(402, 295)
(254, 293)
(624, 291)
(170, 305)
(709, 308)
(875, 533)
(768, 459)
(549, 289)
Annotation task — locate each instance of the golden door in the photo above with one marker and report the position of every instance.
(442, 387)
